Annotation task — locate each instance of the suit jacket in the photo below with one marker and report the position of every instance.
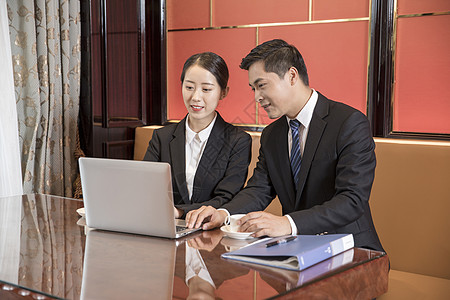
(221, 172)
(336, 175)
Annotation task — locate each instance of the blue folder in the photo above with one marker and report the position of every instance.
(303, 252)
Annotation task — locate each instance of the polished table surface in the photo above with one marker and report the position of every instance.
(46, 253)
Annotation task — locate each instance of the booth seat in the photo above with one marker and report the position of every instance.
(410, 204)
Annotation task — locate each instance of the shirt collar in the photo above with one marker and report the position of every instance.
(305, 115)
(203, 135)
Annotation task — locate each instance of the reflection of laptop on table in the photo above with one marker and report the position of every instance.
(130, 196)
(127, 266)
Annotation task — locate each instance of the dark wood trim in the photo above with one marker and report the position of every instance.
(85, 117)
(380, 78)
(156, 62)
(104, 63)
(418, 135)
(143, 61)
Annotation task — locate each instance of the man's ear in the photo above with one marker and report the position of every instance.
(224, 92)
(293, 75)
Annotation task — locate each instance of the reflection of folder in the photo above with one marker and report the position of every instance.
(115, 263)
(325, 266)
(303, 252)
(292, 279)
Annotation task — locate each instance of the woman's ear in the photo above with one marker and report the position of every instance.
(224, 92)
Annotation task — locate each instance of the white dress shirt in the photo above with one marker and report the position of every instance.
(193, 152)
(304, 117)
(195, 266)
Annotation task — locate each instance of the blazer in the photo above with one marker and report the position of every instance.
(221, 172)
(336, 175)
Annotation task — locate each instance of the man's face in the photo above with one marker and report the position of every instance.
(271, 92)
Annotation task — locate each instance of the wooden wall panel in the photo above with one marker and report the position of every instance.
(122, 55)
(119, 149)
(336, 52)
(422, 72)
(238, 12)
(406, 7)
(342, 9)
(335, 55)
(232, 45)
(123, 78)
(121, 16)
(187, 14)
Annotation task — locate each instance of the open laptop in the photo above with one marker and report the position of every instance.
(130, 196)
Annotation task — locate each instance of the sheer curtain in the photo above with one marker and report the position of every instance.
(10, 171)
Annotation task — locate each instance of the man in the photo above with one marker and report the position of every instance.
(318, 157)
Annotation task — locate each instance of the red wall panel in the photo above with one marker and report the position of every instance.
(244, 12)
(187, 14)
(342, 9)
(232, 45)
(406, 7)
(422, 72)
(335, 55)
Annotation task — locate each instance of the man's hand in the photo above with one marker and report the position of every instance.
(263, 223)
(213, 217)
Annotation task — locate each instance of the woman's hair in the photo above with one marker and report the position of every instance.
(210, 62)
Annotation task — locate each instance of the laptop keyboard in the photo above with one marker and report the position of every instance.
(181, 228)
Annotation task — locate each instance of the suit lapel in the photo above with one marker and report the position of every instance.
(213, 146)
(316, 129)
(178, 157)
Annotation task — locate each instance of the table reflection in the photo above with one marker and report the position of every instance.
(51, 248)
(46, 249)
(117, 264)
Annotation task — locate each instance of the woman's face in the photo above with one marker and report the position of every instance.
(201, 94)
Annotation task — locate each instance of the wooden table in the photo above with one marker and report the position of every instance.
(51, 256)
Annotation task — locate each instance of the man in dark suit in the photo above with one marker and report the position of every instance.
(318, 157)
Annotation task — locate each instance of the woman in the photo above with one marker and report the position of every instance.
(209, 157)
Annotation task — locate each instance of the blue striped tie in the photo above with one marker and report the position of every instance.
(296, 157)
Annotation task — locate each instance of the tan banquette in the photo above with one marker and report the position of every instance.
(410, 205)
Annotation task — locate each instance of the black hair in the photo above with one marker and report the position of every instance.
(278, 56)
(210, 62)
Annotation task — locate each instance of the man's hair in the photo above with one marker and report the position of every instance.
(210, 62)
(278, 56)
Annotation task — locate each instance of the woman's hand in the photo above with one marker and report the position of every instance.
(208, 215)
(177, 212)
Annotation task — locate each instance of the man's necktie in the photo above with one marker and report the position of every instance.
(296, 157)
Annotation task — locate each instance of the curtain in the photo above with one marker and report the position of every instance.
(45, 44)
(10, 172)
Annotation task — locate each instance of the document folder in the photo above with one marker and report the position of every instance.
(299, 254)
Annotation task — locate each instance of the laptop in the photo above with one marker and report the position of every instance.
(116, 264)
(130, 196)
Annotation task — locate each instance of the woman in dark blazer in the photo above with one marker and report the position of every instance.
(209, 157)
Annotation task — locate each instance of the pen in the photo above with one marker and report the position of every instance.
(281, 241)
